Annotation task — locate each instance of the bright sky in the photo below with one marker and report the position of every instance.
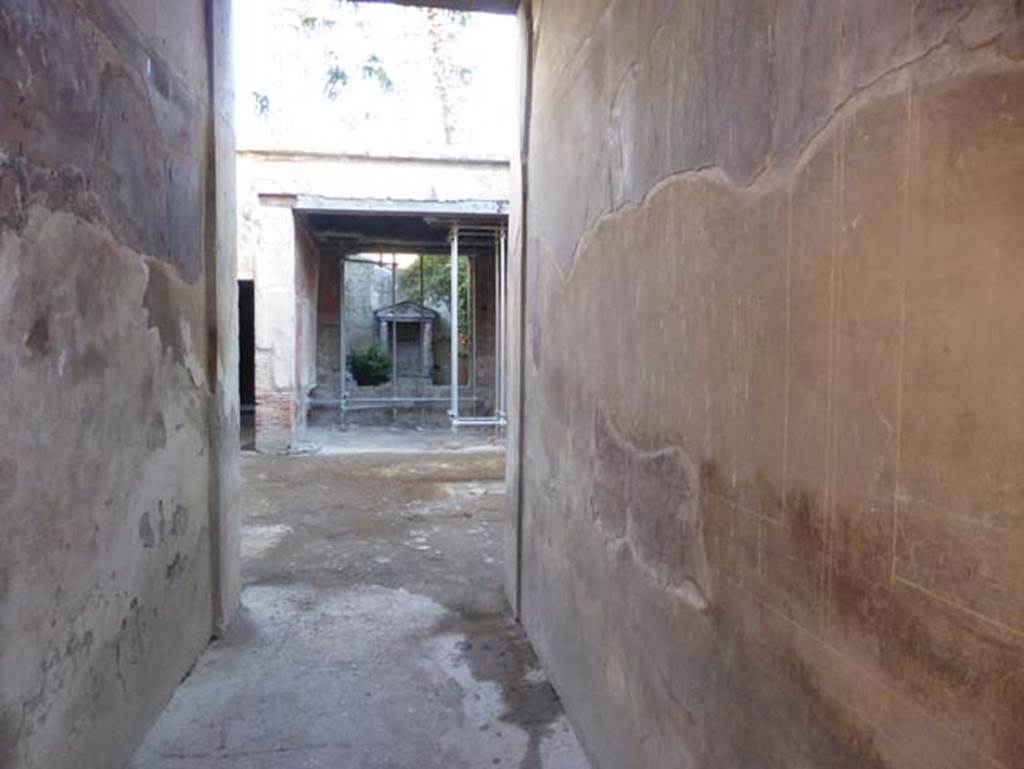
(401, 260)
(386, 98)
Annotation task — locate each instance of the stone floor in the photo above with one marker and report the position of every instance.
(374, 634)
(402, 440)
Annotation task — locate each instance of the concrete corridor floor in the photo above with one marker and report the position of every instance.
(374, 632)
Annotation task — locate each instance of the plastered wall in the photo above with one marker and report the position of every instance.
(773, 426)
(115, 390)
(277, 324)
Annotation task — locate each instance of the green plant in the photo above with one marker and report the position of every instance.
(437, 280)
(370, 367)
(436, 276)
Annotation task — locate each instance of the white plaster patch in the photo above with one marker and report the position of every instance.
(473, 489)
(257, 540)
(535, 676)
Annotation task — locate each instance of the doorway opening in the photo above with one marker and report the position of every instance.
(403, 341)
(247, 361)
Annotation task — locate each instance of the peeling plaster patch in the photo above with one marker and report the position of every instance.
(23, 185)
(146, 534)
(164, 310)
(179, 522)
(177, 565)
(131, 639)
(648, 501)
(156, 436)
(90, 365)
(38, 339)
(162, 522)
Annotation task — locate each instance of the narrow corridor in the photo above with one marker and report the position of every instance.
(375, 633)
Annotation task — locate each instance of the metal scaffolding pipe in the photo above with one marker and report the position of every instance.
(500, 402)
(352, 260)
(454, 411)
(479, 422)
(400, 399)
(471, 321)
(497, 324)
(342, 352)
(394, 332)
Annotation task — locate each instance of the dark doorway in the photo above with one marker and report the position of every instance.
(247, 360)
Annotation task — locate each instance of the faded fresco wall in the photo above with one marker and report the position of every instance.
(367, 288)
(111, 470)
(774, 427)
(328, 330)
(484, 320)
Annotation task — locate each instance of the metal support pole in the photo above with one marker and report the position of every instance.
(342, 351)
(454, 410)
(480, 422)
(471, 322)
(504, 316)
(497, 326)
(394, 335)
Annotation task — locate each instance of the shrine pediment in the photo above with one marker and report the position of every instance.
(406, 312)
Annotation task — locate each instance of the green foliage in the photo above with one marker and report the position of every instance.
(374, 70)
(262, 103)
(437, 286)
(370, 367)
(437, 281)
(443, 30)
(337, 79)
(314, 23)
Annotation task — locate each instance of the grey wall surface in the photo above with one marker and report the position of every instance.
(773, 430)
(119, 408)
(367, 288)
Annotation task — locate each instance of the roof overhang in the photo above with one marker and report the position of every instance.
(341, 226)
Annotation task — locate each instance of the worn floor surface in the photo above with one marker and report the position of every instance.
(375, 632)
(399, 440)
